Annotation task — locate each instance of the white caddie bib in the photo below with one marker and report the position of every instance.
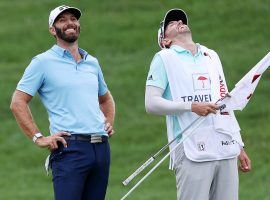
(218, 137)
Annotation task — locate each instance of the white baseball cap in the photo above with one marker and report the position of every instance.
(160, 39)
(60, 9)
(174, 14)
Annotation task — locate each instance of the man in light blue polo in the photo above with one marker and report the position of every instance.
(184, 82)
(80, 107)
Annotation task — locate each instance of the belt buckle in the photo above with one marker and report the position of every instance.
(96, 139)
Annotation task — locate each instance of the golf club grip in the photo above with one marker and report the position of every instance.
(139, 170)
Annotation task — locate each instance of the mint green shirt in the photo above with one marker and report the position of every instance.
(157, 75)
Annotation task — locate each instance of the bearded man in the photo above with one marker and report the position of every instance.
(81, 110)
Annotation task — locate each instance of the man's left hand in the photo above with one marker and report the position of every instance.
(245, 163)
(109, 129)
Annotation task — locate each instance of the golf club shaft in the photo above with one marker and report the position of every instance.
(196, 125)
(138, 171)
(152, 158)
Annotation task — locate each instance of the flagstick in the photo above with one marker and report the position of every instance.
(156, 166)
(152, 158)
(137, 184)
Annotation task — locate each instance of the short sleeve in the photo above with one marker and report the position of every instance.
(32, 78)
(157, 75)
(102, 86)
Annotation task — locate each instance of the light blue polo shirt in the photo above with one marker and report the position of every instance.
(157, 75)
(68, 89)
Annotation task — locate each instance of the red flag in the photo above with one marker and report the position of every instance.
(244, 89)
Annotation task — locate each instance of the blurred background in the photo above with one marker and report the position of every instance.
(122, 34)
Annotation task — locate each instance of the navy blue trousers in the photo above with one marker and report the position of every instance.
(81, 171)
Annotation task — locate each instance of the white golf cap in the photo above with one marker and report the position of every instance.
(174, 14)
(60, 9)
(160, 39)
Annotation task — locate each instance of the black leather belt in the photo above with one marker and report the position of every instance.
(89, 138)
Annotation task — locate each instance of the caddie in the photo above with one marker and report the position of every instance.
(184, 82)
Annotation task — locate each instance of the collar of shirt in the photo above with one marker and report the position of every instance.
(65, 53)
(180, 49)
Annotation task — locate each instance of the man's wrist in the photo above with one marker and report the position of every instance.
(36, 136)
(188, 106)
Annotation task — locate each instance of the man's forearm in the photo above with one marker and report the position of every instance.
(22, 113)
(156, 104)
(107, 106)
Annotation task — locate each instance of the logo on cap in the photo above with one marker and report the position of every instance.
(63, 7)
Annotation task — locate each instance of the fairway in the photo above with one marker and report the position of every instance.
(122, 34)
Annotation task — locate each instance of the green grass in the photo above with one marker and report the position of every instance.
(122, 35)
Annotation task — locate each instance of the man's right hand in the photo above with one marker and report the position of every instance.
(203, 109)
(51, 141)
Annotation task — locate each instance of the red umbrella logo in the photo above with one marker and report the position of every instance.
(202, 78)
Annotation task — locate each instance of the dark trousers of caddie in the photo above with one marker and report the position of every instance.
(81, 171)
